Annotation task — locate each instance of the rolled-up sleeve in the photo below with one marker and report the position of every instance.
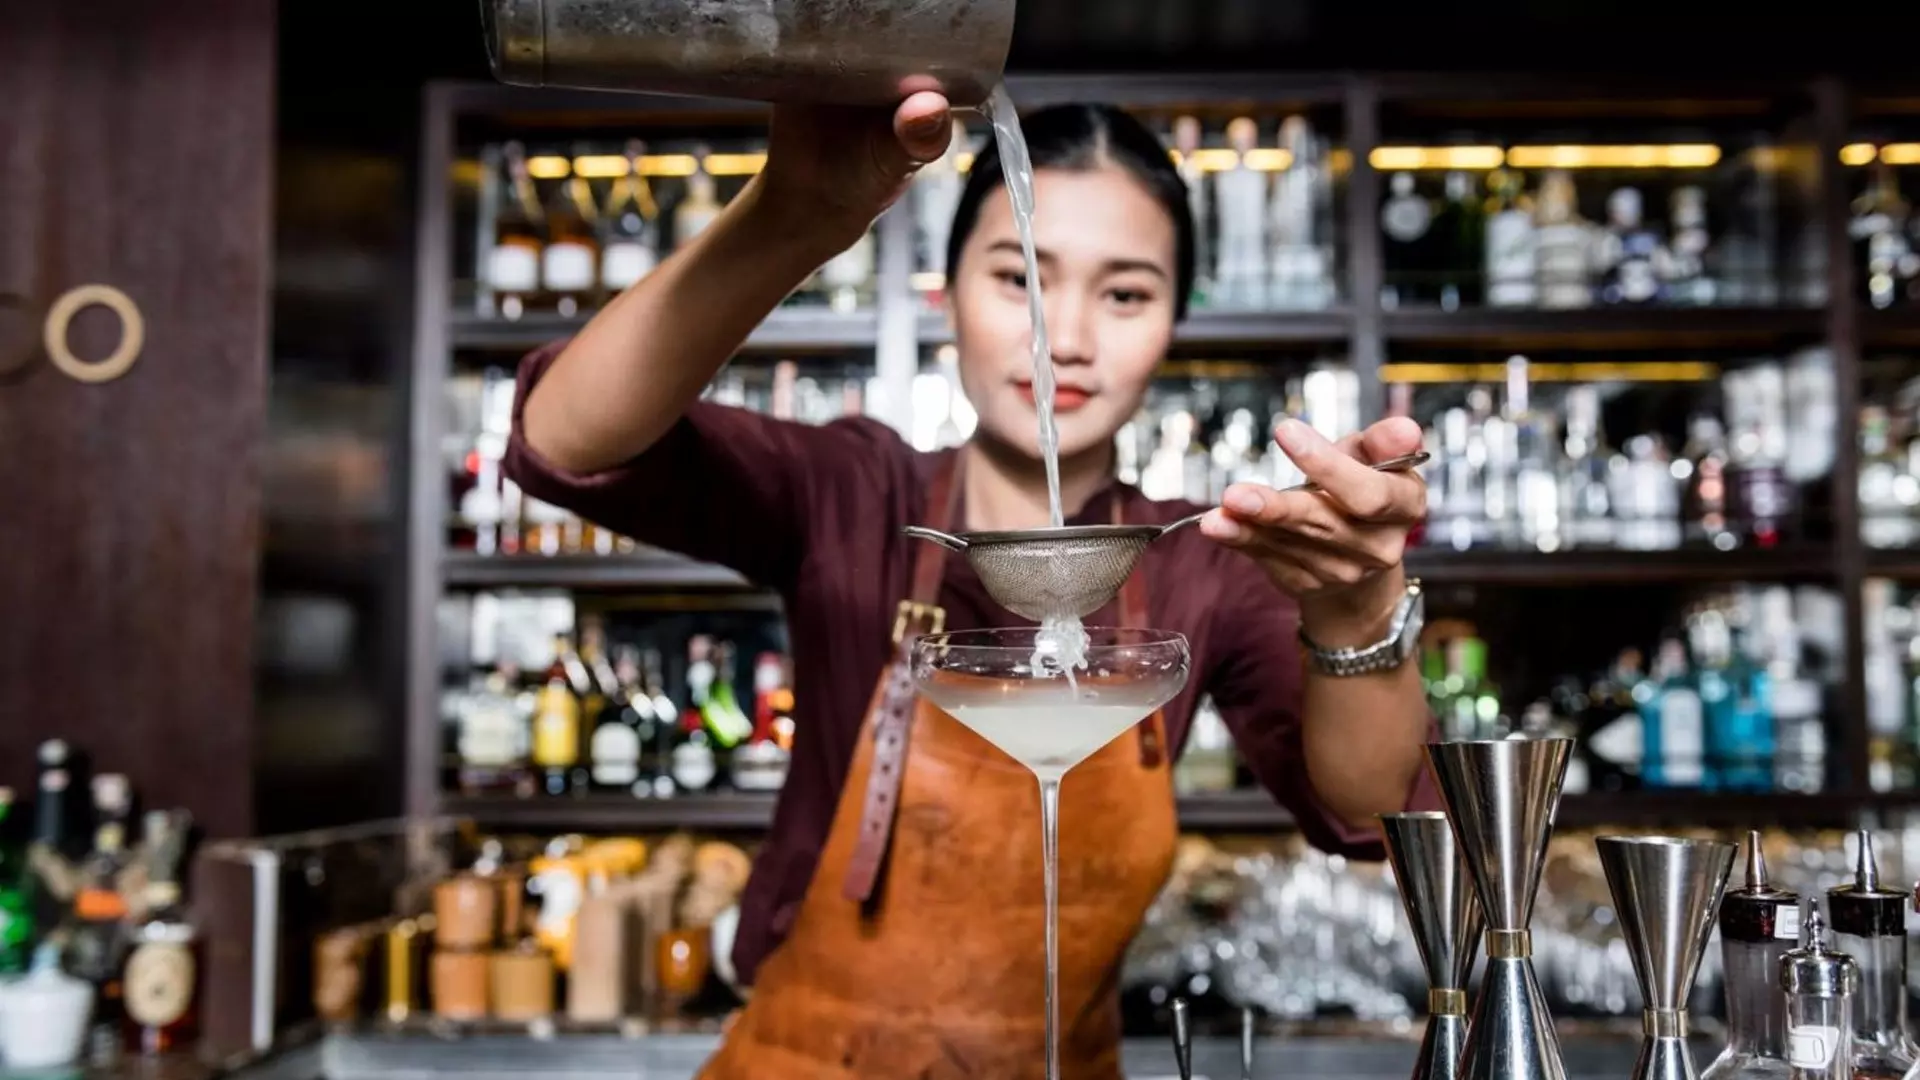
(723, 485)
(1258, 684)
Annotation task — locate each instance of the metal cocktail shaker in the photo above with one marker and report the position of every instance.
(837, 52)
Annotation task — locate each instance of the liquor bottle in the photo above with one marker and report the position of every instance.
(761, 763)
(1405, 220)
(1589, 502)
(1800, 733)
(1563, 245)
(721, 712)
(1882, 252)
(493, 736)
(1712, 643)
(1759, 925)
(1460, 238)
(1511, 264)
(1687, 279)
(630, 232)
(620, 736)
(570, 264)
(1242, 196)
(1302, 279)
(1820, 986)
(700, 205)
(657, 747)
(1748, 761)
(1885, 519)
(16, 909)
(512, 271)
(556, 723)
(96, 926)
(1632, 258)
(1672, 723)
(161, 979)
(1870, 925)
(1611, 739)
(936, 191)
(1187, 136)
(1705, 503)
(847, 278)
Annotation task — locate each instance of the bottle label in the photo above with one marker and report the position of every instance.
(1811, 1046)
(1406, 219)
(1511, 259)
(616, 755)
(159, 983)
(693, 766)
(567, 267)
(1786, 922)
(513, 268)
(625, 263)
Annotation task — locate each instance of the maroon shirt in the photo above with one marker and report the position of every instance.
(815, 513)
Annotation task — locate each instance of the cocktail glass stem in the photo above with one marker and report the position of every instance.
(1050, 867)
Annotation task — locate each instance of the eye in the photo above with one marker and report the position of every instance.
(1129, 298)
(1014, 278)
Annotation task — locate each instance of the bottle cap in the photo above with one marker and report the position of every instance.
(1864, 909)
(1757, 912)
(1815, 971)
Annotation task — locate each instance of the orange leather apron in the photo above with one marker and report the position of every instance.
(919, 950)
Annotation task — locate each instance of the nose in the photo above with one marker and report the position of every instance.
(1070, 331)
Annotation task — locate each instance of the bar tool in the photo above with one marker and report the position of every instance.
(1436, 891)
(1820, 985)
(1870, 924)
(1246, 1044)
(845, 52)
(1759, 925)
(1500, 797)
(1182, 1040)
(1665, 891)
(1077, 569)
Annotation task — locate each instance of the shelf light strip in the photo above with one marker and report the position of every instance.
(1578, 372)
(1264, 159)
(1857, 154)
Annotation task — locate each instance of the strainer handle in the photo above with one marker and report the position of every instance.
(1404, 463)
(945, 540)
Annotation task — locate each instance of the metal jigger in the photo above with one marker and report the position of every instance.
(1500, 798)
(1446, 921)
(1666, 892)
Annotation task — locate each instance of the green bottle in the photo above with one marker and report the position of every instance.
(16, 913)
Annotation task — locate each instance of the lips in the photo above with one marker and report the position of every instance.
(1065, 398)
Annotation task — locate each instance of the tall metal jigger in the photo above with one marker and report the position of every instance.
(1666, 892)
(1437, 892)
(1500, 798)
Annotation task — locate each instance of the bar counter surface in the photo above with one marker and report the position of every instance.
(679, 1057)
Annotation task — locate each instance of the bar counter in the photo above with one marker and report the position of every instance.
(374, 1056)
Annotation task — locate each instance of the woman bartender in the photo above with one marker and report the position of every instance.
(892, 925)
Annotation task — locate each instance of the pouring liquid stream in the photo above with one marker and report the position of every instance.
(1061, 643)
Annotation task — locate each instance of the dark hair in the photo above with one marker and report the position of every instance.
(1080, 138)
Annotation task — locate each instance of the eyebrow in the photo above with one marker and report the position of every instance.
(1112, 265)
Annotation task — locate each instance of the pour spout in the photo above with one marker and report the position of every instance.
(945, 540)
(1866, 870)
(1756, 862)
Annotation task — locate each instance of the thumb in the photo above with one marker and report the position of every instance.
(922, 130)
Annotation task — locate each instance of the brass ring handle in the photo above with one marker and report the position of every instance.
(133, 333)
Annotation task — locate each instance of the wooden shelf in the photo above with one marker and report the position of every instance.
(730, 811)
(653, 569)
(1900, 564)
(1603, 328)
(786, 330)
(1498, 567)
(1216, 328)
(1894, 326)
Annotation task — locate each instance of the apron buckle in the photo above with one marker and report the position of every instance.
(912, 610)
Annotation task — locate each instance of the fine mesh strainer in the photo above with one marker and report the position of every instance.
(1053, 573)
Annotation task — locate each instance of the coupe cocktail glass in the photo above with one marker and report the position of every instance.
(1006, 687)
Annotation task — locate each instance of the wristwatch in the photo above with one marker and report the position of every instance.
(1401, 642)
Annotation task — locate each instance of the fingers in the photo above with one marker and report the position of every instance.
(1358, 489)
(922, 128)
(1394, 437)
(1320, 537)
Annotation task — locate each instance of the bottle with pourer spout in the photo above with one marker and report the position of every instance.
(1759, 926)
(1870, 925)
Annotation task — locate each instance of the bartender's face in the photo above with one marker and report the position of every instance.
(1107, 280)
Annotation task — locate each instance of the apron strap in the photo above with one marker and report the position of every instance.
(1133, 614)
(893, 709)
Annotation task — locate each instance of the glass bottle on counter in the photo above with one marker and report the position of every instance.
(1511, 264)
(512, 271)
(556, 723)
(620, 738)
(161, 980)
(1870, 925)
(630, 233)
(1673, 721)
(16, 910)
(1406, 218)
(96, 928)
(1759, 925)
(570, 264)
(1820, 986)
(1563, 245)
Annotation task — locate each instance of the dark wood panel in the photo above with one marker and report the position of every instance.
(137, 153)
